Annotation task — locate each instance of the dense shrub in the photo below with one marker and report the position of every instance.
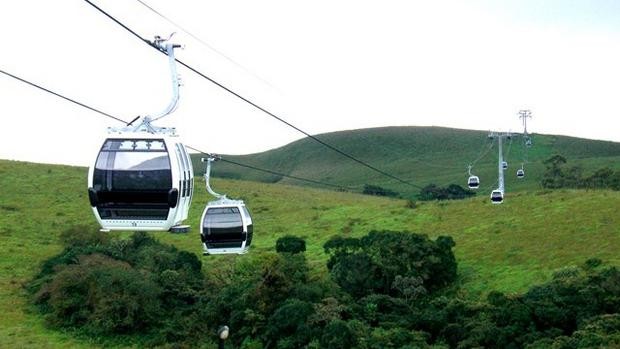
(373, 263)
(559, 175)
(107, 287)
(290, 244)
(451, 192)
(384, 290)
(376, 190)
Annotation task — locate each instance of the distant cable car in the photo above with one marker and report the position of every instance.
(504, 165)
(528, 142)
(141, 181)
(226, 227)
(142, 177)
(520, 173)
(473, 182)
(226, 224)
(497, 196)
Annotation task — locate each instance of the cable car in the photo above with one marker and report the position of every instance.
(226, 224)
(520, 173)
(141, 181)
(473, 182)
(142, 178)
(528, 142)
(497, 196)
(226, 227)
(504, 165)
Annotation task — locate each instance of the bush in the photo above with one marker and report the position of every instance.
(379, 191)
(451, 192)
(290, 244)
(107, 287)
(373, 263)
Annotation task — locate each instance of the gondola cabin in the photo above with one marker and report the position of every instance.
(226, 227)
(504, 165)
(141, 181)
(497, 196)
(520, 173)
(473, 182)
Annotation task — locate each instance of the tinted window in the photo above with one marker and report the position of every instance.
(132, 179)
(133, 165)
(222, 217)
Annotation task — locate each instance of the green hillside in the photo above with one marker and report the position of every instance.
(421, 155)
(507, 248)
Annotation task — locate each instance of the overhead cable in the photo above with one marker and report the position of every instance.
(272, 172)
(205, 43)
(327, 145)
(222, 159)
(63, 97)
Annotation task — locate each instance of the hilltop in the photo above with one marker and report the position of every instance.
(506, 248)
(421, 155)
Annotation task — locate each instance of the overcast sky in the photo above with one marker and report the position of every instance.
(322, 65)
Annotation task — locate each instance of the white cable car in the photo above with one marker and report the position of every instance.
(520, 173)
(504, 165)
(142, 177)
(226, 227)
(497, 196)
(226, 224)
(473, 182)
(141, 182)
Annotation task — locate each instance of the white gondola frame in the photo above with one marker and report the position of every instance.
(180, 166)
(246, 220)
(473, 182)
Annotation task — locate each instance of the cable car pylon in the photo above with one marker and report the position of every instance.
(497, 195)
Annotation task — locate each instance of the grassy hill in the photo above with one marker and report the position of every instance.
(507, 247)
(421, 155)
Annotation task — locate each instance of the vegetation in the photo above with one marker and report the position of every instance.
(290, 244)
(378, 191)
(420, 155)
(391, 282)
(391, 263)
(558, 175)
(451, 192)
(508, 248)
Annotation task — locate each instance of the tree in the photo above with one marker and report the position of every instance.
(290, 244)
(451, 192)
(553, 177)
(379, 191)
(372, 264)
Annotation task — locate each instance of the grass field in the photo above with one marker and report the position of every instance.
(507, 247)
(421, 155)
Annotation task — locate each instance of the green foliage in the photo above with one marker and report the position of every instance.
(508, 252)
(290, 244)
(111, 287)
(558, 175)
(451, 192)
(376, 190)
(337, 335)
(420, 155)
(373, 263)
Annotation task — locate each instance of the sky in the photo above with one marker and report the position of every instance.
(321, 65)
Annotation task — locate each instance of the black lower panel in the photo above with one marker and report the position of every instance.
(223, 237)
(133, 205)
(216, 245)
(134, 213)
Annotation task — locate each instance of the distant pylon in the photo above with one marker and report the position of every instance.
(524, 114)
